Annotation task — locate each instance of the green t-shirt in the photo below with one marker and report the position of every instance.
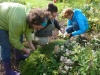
(13, 20)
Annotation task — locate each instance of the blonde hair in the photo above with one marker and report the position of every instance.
(67, 12)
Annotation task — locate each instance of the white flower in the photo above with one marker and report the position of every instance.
(94, 53)
(44, 74)
(70, 67)
(68, 52)
(56, 49)
(69, 62)
(66, 68)
(62, 71)
(62, 58)
(62, 48)
(65, 59)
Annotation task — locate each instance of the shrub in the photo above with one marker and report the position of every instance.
(42, 61)
(57, 59)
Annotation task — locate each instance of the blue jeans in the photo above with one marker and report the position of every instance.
(5, 45)
(72, 28)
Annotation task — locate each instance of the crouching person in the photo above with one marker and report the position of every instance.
(43, 34)
(77, 22)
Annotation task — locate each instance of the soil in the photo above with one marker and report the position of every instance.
(14, 66)
(1, 69)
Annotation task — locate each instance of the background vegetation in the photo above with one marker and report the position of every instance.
(90, 8)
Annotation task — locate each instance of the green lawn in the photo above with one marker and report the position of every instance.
(39, 3)
(61, 6)
(44, 3)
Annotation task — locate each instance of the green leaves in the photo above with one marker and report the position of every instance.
(45, 62)
(42, 61)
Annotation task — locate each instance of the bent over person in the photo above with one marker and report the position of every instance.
(15, 20)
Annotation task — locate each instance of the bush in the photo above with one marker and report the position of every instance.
(42, 61)
(57, 59)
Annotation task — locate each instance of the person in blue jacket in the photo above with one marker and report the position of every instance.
(77, 22)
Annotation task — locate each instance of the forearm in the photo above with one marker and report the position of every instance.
(77, 32)
(31, 45)
(57, 24)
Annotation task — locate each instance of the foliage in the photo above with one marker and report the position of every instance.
(90, 8)
(42, 61)
(72, 59)
(85, 58)
(92, 12)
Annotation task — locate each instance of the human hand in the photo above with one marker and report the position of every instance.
(32, 46)
(26, 50)
(55, 33)
(69, 35)
(62, 30)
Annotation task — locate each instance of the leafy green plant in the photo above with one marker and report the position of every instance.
(91, 11)
(42, 61)
(75, 59)
(85, 60)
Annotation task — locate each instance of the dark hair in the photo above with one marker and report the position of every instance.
(52, 8)
(37, 16)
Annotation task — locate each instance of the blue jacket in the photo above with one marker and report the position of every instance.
(81, 20)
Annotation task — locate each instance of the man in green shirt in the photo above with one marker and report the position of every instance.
(15, 20)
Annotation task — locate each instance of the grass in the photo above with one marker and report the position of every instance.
(61, 6)
(38, 3)
(44, 3)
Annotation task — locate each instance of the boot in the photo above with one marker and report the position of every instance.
(8, 70)
(20, 56)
